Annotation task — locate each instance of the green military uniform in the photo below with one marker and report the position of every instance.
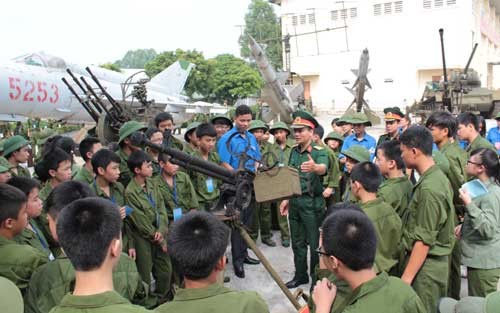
(335, 170)
(125, 131)
(386, 137)
(214, 298)
(34, 238)
(84, 175)
(397, 193)
(10, 297)
(18, 262)
(206, 188)
(107, 302)
(5, 163)
(480, 241)
(479, 142)
(180, 195)
(393, 114)
(10, 145)
(359, 154)
(190, 129)
(148, 217)
(306, 212)
(431, 221)
(19, 171)
(176, 143)
(189, 150)
(43, 222)
(74, 170)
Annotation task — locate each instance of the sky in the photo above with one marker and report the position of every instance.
(100, 31)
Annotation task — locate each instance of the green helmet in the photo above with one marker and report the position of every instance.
(257, 124)
(191, 128)
(279, 125)
(14, 143)
(128, 128)
(221, 119)
(335, 136)
(359, 118)
(358, 153)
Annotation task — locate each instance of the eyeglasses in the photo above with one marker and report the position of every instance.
(478, 164)
(321, 253)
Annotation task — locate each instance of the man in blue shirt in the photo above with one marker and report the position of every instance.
(493, 135)
(231, 148)
(360, 137)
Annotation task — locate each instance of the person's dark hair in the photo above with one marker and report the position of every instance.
(51, 161)
(163, 157)
(319, 131)
(150, 131)
(65, 193)
(481, 125)
(334, 121)
(443, 119)
(349, 235)
(335, 207)
(86, 145)
(490, 161)
(196, 243)
(418, 137)
(25, 184)
(242, 110)
(467, 118)
(103, 158)
(163, 116)
(136, 159)
(11, 201)
(65, 143)
(392, 151)
(368, 175)
(86, 228)
(205, 129)
(408, 118)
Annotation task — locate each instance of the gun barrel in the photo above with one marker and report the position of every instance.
(446, 98)
(470, 58)
(85, 105)
(115, 104)
(92, 92)
(96, 105)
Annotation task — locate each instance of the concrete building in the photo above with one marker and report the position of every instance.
(403, 42)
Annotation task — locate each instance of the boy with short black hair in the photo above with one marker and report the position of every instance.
(90, 233)
(87, 148)
(468, 130)
(18, 262)
(165, 122)
(197, 244)
(365, 180)
(154, 135)
(56, 165)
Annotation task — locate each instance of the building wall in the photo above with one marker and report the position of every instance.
(403, 42)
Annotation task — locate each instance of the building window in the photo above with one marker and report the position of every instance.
(427, 4)
(354, 12)
(294, 20)
(312, 18)
(302, 19)
(453, 2)
(343, 14)
(335, 15)
(377, 9)
(388, 8)
(438, 3)
(398, 6)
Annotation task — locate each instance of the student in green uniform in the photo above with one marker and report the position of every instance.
(176, 189)
(165, 122)
(392, 118)
(222, 124)
(5, 175)
(32, 234)
(306, 212)
(331, 181)
(94, 263)
(348, 249)
(87, 148)
(345, 122)
(126, 148)
(56, 168)
(206, 188)
(334, 141)
(396, 188)
(261, 219)
(354, 155)
(190, 138)
(154, 135)
(480, 233)
(468, 130)
(197, 244)
(17, 262)
(443, 126)
(16, 150)
(10, 297)
(428, 234)
(280, 150)
(149, 223)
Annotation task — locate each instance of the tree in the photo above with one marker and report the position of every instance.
(111, 66)
(233, 78)
(262, 24)
(136, 58)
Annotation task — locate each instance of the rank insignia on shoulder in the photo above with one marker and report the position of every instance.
(319, 147)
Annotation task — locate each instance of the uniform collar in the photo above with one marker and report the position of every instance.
(93, 301)
(184, 294)
(371, 203)
(135, 186)
(5, 241)
(308, 149)
(369, 287)
(429, 172)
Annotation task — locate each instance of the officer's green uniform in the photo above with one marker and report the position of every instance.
(107, 302)
(431, 221)
(214, 298)
(391, 114)
(10, 145)
(52, 281)
(388, 228)
(479, 142)
(126, 130)
(35, 238)
(148, 217)
(359, 154)
(180, 195)
(84, 175)
(18, 262)
(306, 212)
(480, 241)
(206, 188)
(397, 193)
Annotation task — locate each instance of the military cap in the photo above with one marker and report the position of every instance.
(358, 153)
(221, 119)
(257, 124)
(490, 304)
(128, 128)
(1, 145)
(302, 119)
(14, 143)
(344, 119)
(3, 169)
(335, 136)
(191, 128)
(393, 114)
(10, 297)
(279, 125)
(498, 116)
(359, 118)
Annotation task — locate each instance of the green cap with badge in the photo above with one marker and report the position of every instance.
(490, 304)
(128, 128)
(191, 128)
(357, 153)
(279, 125)
(14, 143)
(257, 124)
(303, 119)
(359, 118)
(334, 136)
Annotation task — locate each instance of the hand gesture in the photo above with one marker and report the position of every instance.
(465, 196)
(284, 208)
(327, 192)
(132, 254)
(309, 165)
(323, 295)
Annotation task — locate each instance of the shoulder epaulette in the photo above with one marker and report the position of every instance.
(319, 147)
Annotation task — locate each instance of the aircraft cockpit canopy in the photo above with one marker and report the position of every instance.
(41, 59)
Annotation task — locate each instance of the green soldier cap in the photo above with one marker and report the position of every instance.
(358, 153)
(393, 114)
(222, 119)
(490, 304)
(344, 119)
(1, 145)
(359, 118)
(257, 124)
(10, 297)
(191, 128)
(498, 116)
(13, 143)
(128, 128)
(335, 136)
(302, 119)
(279, 125)
(3, 169)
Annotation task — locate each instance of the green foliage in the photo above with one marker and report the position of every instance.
(136, 58)
(262, 24)
(111, 66)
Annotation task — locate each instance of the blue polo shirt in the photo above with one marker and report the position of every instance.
(367, 141)
(493, 136)
(237, 145)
